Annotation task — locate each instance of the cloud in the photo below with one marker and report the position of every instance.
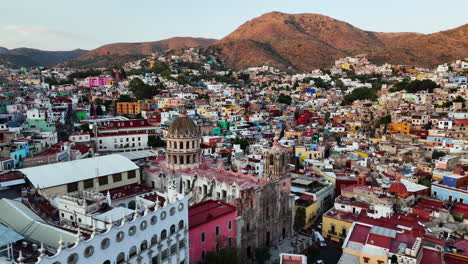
(31, 31)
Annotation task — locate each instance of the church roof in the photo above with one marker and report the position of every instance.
(183, 127)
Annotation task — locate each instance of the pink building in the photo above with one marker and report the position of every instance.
(212, 224)
(97, 81)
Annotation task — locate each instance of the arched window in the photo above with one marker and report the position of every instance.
(172, 230)
(181, 224)
(181, 145)
(105, 243)
(143, 245)
(163, 234)
(107, 262)
(72, 259)
(154, 240)
(120, 258)
(132, 205)
(132, 252)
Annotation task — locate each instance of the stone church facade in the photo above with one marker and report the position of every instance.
(265, 206)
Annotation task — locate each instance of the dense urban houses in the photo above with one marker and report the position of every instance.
(197, 156)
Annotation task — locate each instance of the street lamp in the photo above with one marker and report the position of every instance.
(93, 127)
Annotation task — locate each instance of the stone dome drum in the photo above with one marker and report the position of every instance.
(183, 144)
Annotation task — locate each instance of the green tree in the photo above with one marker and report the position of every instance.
(296, 115)
(156, 141)
(243, 142)
(262, 255)
(141, 90)
(299, 219)
(125, 98)
(284, 99)
(415, 86)
(385, 120)
(437, 154)
(99, 111)
(362, 93)
(144, 64)
(319, 82)
(226, 255)
(460, 99)
(85, 127)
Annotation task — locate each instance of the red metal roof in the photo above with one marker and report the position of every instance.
(208, 211)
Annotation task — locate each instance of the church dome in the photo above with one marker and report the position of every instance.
(183, 127)
(399, 189)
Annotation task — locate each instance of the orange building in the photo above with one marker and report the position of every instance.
(400, 128)
(128, 108)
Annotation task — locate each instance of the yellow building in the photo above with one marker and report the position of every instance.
(126, 108)
(310, 207)
(336, 225)
(346, 66)
(304, 152)
(400, 128)
(296, 134)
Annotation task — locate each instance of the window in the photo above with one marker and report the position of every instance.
(163, 234)
(143, 225)
(105, 243)
(88, 183)
(117, 177)
(172, 229)
(72, 187)
(164, 255)
(217, 230)
(131, 174)
(203, 237)
(182, 244)
(181, 224)
(120, 236)
(132, 231)
(203, 254)
(154, 219)
(103, 180)
(132, 252)
(366, 260)
(230, 224)
(154, 240)
(72, 259)
(173, 249)
(89, 251)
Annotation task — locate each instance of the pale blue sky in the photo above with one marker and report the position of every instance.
(87, 24)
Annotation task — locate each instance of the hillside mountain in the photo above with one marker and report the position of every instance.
(308, 41)
(34, 57)
(119, 53)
